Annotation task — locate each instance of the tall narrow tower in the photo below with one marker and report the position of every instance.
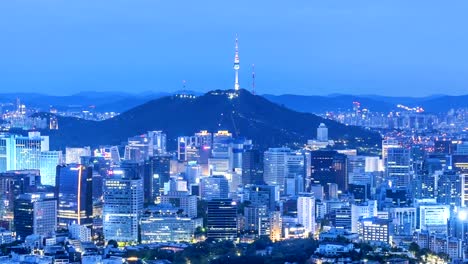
(236, 66)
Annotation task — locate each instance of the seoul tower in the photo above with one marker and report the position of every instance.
(236, 66)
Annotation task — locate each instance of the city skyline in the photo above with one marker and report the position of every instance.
(301, 48)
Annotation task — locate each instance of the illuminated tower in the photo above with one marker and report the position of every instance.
(236, 66)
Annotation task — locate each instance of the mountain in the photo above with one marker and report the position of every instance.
(251, 116)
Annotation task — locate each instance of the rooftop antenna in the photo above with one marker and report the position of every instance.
(253, 79)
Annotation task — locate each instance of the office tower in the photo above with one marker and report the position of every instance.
(73, 155)
(12, 184)
(158, 142)
(221, 144)
(322, 133)
(386, 145)
(332, 191)
(449, 188)
(74, 190)
(137, 148)
(222, 219)
(280, 164)
(357, 170)
(374, 230)
(123, 203)
(341, 218)
(329, 167)
(157, 172)
(35, 213)
(22, 152)
(48, 166)
(183, 143)
(460, 166)
(318, 191)
(180, 199)
(256, 219)
(192, 173)
(359, 192)
(214, 187)
(204, 139)
(262, 195)
(100, 167)
(28, 150)
(306, 212)
(363, 210)
(276, 226)
(398, 167)
(110, 153)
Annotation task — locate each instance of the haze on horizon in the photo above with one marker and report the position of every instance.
(389, 47)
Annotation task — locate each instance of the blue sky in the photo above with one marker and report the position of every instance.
(386, 47)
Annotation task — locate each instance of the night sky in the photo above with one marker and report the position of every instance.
(385, 47)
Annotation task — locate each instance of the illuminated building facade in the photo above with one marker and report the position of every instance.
(74, 190)
(35, 213)
(123, 203)
(222, 219)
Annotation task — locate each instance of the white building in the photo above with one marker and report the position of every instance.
(80, 232)
(306, 212)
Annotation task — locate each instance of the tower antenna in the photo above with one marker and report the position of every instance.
(253, 79)
(236, 66)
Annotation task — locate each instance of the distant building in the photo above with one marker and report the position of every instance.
(322, 133)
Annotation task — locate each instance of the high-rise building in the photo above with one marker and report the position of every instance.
(363, 210)
(123, 203)
(12, 184)
(222, 219)
(386, 145)
(74, 190)
(329, 167)
(322, 133)
(157, 172)
(256, 219)
(35, 213)
(281, 164)
(262, 195)
(306, 212)
(398, 166)
(22, 152)
(73, 155)
(48, 166)
(214, 187)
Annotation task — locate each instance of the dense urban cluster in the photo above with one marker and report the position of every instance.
(217, 198)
